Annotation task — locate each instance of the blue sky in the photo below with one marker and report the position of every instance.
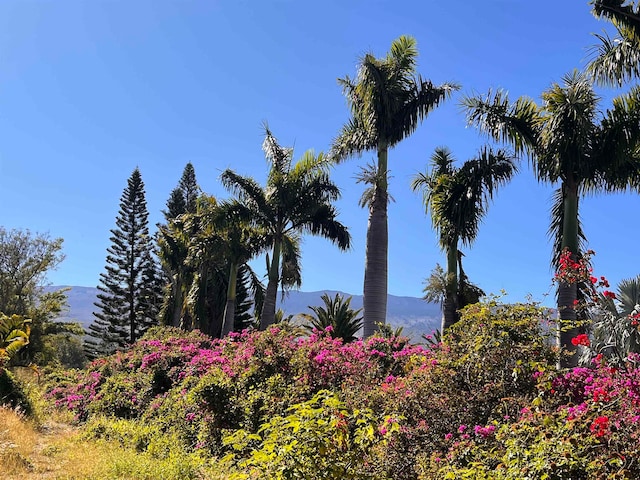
(91, 89)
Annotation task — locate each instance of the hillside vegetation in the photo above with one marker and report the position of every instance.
(486, 402)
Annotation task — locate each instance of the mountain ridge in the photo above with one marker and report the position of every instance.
(414, 315)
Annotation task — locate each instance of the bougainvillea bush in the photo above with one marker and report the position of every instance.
(487, 402)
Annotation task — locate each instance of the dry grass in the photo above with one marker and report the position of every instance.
(56, 450)
(51, 450)
(47, 446)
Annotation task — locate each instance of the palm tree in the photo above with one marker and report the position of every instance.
(173, 247)
(617, 60)
(220, 247)
(457, 199)
(204, 249)
(228, 228)
(567, 145)
(387, 103)
(297, 199)
(337, 314)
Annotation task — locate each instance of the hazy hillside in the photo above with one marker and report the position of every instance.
(414, 314)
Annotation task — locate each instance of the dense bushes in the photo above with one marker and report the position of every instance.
(487, 402)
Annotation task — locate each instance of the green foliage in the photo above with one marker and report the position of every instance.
(195, 253)
(318, 439)
(65, 349)
(26, 258)
(337, 314)
(385, 330)
(481, 372)
(130, 287)
(12, 392)
(14, 335)
(149, 453)
(297, 199)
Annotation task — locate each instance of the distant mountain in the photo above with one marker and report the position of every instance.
(413, 314)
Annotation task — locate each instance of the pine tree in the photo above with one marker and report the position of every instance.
(184, 197)
(173, 252)
(189, 188)
(175, 205)
(129, 300)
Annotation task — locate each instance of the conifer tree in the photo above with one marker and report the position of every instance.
(129, 300)
(183, 198)
(173, 253)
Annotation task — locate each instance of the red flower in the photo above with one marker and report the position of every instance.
(600, 426)
(608, 294)
(594, 280)
(581, 339)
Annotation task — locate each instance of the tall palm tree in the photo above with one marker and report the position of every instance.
(457, 199)
(297, 199)
(567, 145)
(617, 60)
(387, 103)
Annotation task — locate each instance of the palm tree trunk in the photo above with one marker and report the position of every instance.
(230, 308)
(568, 292)
(450, 305)
(268, 316)
(176, 307)
(375, 269)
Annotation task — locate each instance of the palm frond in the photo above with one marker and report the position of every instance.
(435, 287)
(618, 156)
(471, 189)
(370, 176)
(513, 123)
(354, 139)
(423, 97)
(337, 314)
(615, 61)
(310, 165)
(629, 295)
(248, 191)
(279, 157)
(291, 269)
(624, 13)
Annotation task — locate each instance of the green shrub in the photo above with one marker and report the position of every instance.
(482, 373)
(318, 439)
(12, 393)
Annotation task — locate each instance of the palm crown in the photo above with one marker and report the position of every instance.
(566, 144)
(297, 199)
(457, 199)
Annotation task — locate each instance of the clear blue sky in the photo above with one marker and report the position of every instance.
(91, 89)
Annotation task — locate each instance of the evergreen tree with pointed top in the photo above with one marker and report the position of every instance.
(129, 300)
(173, 253)
(175, 205)
(183, 198)
(189, 187)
